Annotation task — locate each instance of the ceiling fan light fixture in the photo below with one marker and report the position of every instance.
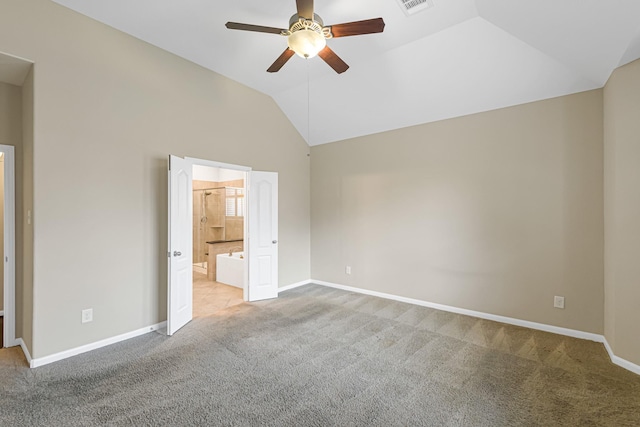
(307, 36)
(306, 42)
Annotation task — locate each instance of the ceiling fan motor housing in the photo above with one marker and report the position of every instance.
(296, 18)
(307, 37)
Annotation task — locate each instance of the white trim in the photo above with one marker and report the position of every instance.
(503, 319)
(9, 244)
(509, 320)
(25, 350)
(496, 318)
(212, 164)
(245, 236)
(620, 361)
(294, 285)
(17, 57)
(2, 313)
(34, 363)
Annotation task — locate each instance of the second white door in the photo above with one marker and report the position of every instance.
(263, 235)
(180, 275)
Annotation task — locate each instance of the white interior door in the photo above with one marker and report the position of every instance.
(263, 235)
(180, 286)
(9, 288)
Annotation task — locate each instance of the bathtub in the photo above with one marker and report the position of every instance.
(230, 269)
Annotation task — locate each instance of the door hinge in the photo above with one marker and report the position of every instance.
(168, 254)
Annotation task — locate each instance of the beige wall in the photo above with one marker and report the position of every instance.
(495, 212)
(622, 211)
(108, 111)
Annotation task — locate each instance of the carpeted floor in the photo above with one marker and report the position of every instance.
(318, 356)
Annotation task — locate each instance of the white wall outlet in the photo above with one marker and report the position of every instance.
(87, 315)
(558, 302)
(347, 269)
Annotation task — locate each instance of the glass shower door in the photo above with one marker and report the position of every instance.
(199, 229)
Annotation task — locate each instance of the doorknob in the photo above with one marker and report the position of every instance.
(274, 241)
(176, 253)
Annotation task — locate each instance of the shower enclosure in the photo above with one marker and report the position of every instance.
(208, 222)
(215, 210)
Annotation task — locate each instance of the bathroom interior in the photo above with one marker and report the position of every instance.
(218, 239)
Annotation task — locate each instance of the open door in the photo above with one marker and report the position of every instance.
(263, 235)
(180, 286)
(9, 258)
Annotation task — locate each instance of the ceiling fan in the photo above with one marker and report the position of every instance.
(307, 36)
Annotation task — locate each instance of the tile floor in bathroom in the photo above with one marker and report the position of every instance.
(210, 297)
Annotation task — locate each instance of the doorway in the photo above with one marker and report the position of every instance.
(219, 265)
(260, 268)
(16, 135)
(7, 233)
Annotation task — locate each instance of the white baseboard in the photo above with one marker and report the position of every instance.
(25, 350)
(294, 285)
(33, 363)
(630, 366)
(503, 319)
(40, 361)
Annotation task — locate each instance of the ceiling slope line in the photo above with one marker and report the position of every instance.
(631, 52)
(570, 68)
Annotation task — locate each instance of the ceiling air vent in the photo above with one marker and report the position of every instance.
(414, 6)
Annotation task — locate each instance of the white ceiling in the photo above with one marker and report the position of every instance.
(456, 58)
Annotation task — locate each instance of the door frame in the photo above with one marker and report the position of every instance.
(247, 170)
(9, 280)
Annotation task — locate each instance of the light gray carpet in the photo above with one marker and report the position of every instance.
(321, 357)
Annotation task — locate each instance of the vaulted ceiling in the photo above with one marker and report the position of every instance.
(455, 58)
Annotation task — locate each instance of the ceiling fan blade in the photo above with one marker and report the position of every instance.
(333, 60)
(368, 26)
(282, 59)
(256, 28)
(305, 8)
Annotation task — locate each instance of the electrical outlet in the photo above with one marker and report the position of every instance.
(347, 269)
(558, 302)
(87, 315)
